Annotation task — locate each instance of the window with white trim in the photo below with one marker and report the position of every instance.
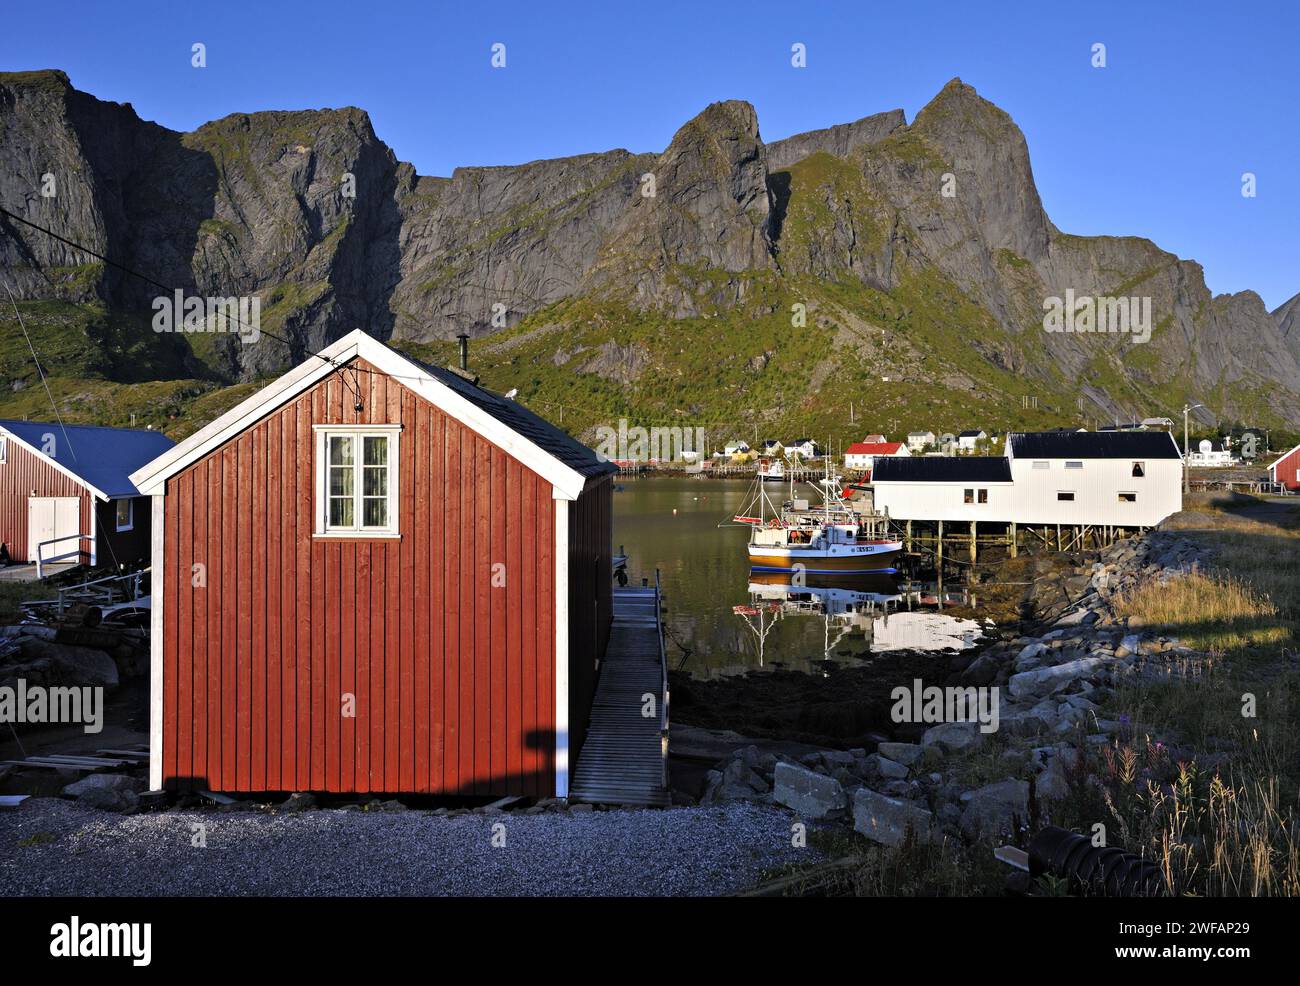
(1073, 464)
(4, 450)
(1042, 464)
(1128, 498)
(356, 480)
(1065, 495)
(125, 514)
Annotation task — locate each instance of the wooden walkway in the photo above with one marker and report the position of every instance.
(624, 759)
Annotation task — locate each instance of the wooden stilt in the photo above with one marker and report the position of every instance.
(973, 524)
(1014, 539)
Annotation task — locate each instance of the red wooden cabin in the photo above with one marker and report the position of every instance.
(1286, 470)
(65, 490)
(375, 576)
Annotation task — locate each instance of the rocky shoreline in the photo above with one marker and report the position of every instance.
(1052, 674)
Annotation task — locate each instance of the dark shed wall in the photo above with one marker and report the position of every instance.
(20, 474)
(131, 548)
(453, 678)
(591, 597)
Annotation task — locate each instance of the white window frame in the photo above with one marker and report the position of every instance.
(1042, 464)
(130, 516)
(323, 433)
(1073, 464)
(4, 449)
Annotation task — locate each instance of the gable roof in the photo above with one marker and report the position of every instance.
(553, 454)
(100, 459)
(1281, 459)
(943, 469)
(971, 434)
(873, 448)
(1093, 445)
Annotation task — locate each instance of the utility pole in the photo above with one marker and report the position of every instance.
(1187, 486)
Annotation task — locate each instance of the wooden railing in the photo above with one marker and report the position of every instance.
(663, 667)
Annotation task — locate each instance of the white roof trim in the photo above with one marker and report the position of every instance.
(149, 479)
(57, 465)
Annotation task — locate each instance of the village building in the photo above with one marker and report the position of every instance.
(862, 456)
(66, 493)
(375, 576)
(1211, 455)
(967, 440)
(918, 440)
(1286, 470)
(1126, 480)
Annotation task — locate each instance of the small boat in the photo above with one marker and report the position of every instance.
(771, 471)
(827, 549)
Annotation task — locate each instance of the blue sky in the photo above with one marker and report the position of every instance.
(1155, 144)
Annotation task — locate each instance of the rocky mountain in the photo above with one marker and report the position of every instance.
(902, 266)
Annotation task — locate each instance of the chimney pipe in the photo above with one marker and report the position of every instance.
(464, 351)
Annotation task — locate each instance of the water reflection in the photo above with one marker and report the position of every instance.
(723, 618)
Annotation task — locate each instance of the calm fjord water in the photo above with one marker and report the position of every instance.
(731, 621)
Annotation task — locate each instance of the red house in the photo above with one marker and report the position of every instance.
(1286, 470)
(375, 576)
(65, 491)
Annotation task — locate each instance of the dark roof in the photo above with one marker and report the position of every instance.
(515, 416)
(943, 469)
(101, 457)
(1094, 445)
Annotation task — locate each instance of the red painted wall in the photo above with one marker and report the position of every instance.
(453, 678)
(1285, 472)
(20, 474)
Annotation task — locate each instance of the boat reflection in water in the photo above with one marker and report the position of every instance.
(861, 614)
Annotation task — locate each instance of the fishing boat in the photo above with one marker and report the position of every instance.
(832, 539)
(771, 471)
(826, 549)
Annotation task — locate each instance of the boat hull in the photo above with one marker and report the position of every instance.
(879, 558)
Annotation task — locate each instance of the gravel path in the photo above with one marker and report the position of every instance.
(678, 851)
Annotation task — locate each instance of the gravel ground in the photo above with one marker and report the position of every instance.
(678, 851)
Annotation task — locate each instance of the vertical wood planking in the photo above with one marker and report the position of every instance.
(453, 678)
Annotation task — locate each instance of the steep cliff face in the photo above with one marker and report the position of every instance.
(930, 236)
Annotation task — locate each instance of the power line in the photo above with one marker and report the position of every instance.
(167, 288)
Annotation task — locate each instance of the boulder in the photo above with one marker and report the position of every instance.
(905, 753)
(886, 820)
(1046, 681)
(811, 794)
(69, 665)
(953, 737)
(735, 782)
(890, 769)
(989, 811)
(111, 792)
(298, 801)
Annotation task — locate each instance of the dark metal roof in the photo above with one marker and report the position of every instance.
(518, 418)
(1094, 445)
(943, 469)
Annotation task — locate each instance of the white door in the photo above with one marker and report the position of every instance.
(50, 517)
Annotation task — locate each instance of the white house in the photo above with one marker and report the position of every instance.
(945, 487)
(967, 439)
(1207, 456)
(917, 440)
(805, 448)
(863, 455)
(1118, 479)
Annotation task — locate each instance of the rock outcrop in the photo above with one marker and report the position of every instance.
(316, 216)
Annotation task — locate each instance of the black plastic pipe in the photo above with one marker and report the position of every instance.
(1103, 870)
